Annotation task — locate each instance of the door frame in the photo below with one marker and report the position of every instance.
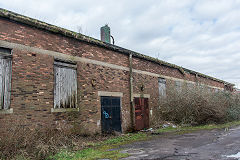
(110, 94)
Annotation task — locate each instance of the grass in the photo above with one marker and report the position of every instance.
(102, 149)
(196, 128)
(89, 154)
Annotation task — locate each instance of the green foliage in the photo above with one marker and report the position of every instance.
(181, 129)
(89, 154)
(102, 149)
(233, 111)
(125, 139)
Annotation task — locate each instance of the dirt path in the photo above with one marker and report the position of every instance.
(200, 145)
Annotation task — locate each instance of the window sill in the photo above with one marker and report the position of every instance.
(6, 111)
(55, 110)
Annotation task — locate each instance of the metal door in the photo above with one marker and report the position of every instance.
(110, 114)
(141, 113)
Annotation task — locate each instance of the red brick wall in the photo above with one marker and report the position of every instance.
(33, 37)
(150, 87)
(33, 79)
(144, 65)
(32, 88)
(107, 79)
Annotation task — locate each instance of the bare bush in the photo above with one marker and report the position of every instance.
(233, 111)
(40, 143)
(198, 105)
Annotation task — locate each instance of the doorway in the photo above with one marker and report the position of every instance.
(110, 114)
(141, 113)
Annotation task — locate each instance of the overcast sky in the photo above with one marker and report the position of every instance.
(202, 35)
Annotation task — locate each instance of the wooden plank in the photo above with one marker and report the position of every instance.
(65, 90)
(178, 85)
(5, 77)
(5, 82)
(7, 91)
(162, 87)
(56, 100)
(75, 88)
(1, 83)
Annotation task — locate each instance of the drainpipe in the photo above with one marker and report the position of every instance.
(197, 79)
(132, 109)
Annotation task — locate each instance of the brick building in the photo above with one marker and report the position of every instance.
(50, 76)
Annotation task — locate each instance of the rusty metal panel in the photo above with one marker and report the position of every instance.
(141, 113)
(65, 90)
(5, 80)
(162, 87)
(146, 113)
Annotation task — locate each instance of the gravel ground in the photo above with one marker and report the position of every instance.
(201, 145)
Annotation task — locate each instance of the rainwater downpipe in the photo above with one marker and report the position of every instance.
(132, 112)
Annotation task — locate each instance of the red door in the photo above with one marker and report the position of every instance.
(141, 113)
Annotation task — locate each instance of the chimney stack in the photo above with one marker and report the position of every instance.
(105, 34)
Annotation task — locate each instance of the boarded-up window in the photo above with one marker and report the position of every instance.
(162, 87)
(202, 86)
(178, 85)
(209, 89)
(5, 78)
(216, 90)
(65, 90)
(190, 85)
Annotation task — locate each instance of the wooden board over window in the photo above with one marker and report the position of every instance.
(162, 87)
(65, 90)
(5, 78)
(178, 86)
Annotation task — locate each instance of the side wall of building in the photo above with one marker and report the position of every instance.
(32, 92)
